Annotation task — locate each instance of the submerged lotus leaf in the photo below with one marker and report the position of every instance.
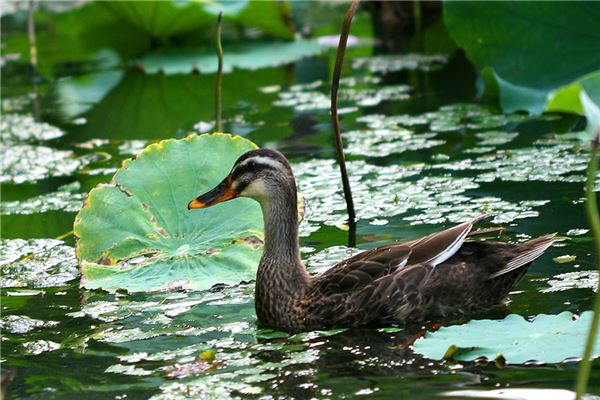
(547, 339)
(136, 233)
(36, 263)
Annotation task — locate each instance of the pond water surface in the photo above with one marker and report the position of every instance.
(423, 154)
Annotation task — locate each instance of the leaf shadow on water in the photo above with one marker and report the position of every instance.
(144, 106)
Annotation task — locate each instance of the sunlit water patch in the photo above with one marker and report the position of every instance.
(15, 104)
(572, 280)
(24, 159)
(547, 162)
(16, 128)
(37, 347)
(353, 92)
(22, 324)
(29, 163)
(66, 198)
(404, 62)
(381, 192)
(383, 142)
(206, 345)
(322, 261)
(36, 263)
(448, 118)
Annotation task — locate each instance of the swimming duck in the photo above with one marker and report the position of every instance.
(436, 276)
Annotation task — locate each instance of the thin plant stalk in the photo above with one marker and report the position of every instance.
(335, 119)
(218, 123)
(33, 58)
(417, 15)
(31, 35)
(591, 208)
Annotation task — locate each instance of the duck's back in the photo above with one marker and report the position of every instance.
(480, 275)
(403, 283)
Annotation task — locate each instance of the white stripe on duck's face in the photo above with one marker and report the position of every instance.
(250, 176)
(260, 161)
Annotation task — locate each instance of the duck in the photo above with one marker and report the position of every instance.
(437, 276)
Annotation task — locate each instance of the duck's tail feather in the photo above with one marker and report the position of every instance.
(531, 250)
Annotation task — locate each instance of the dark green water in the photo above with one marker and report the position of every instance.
(423, 155)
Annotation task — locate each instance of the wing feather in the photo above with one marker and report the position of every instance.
(436, 248)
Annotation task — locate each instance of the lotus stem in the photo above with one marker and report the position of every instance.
(417, 16)
(31, 35)
(335, 119)
(218, 123)
(591, 208)
(64, 235)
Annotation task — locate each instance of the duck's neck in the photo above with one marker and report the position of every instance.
(281, 277)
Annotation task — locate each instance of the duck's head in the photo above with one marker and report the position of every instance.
(261, 175)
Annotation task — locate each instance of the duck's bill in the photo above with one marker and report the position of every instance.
(219, 194)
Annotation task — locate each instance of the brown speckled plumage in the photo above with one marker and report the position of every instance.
(433, 277)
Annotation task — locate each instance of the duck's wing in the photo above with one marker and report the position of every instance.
(364, 268)
(436, 248)
(398, 296)
(523, 254)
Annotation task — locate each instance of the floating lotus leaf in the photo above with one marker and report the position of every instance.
(590, 99)
(166, 18)
(238, 56)
(136, 233)
(547, 339)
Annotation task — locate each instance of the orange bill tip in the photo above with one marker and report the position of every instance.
(196, 204)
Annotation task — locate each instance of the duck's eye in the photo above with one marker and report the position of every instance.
(252, 164)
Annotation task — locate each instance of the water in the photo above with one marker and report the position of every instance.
(423, 154)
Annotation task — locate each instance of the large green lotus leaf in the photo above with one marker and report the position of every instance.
(136, 233)
(243, 56)
(590, 99)
(533, 48)
(568, 98)
(88, 35)
(547, 339)
(167, 18)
